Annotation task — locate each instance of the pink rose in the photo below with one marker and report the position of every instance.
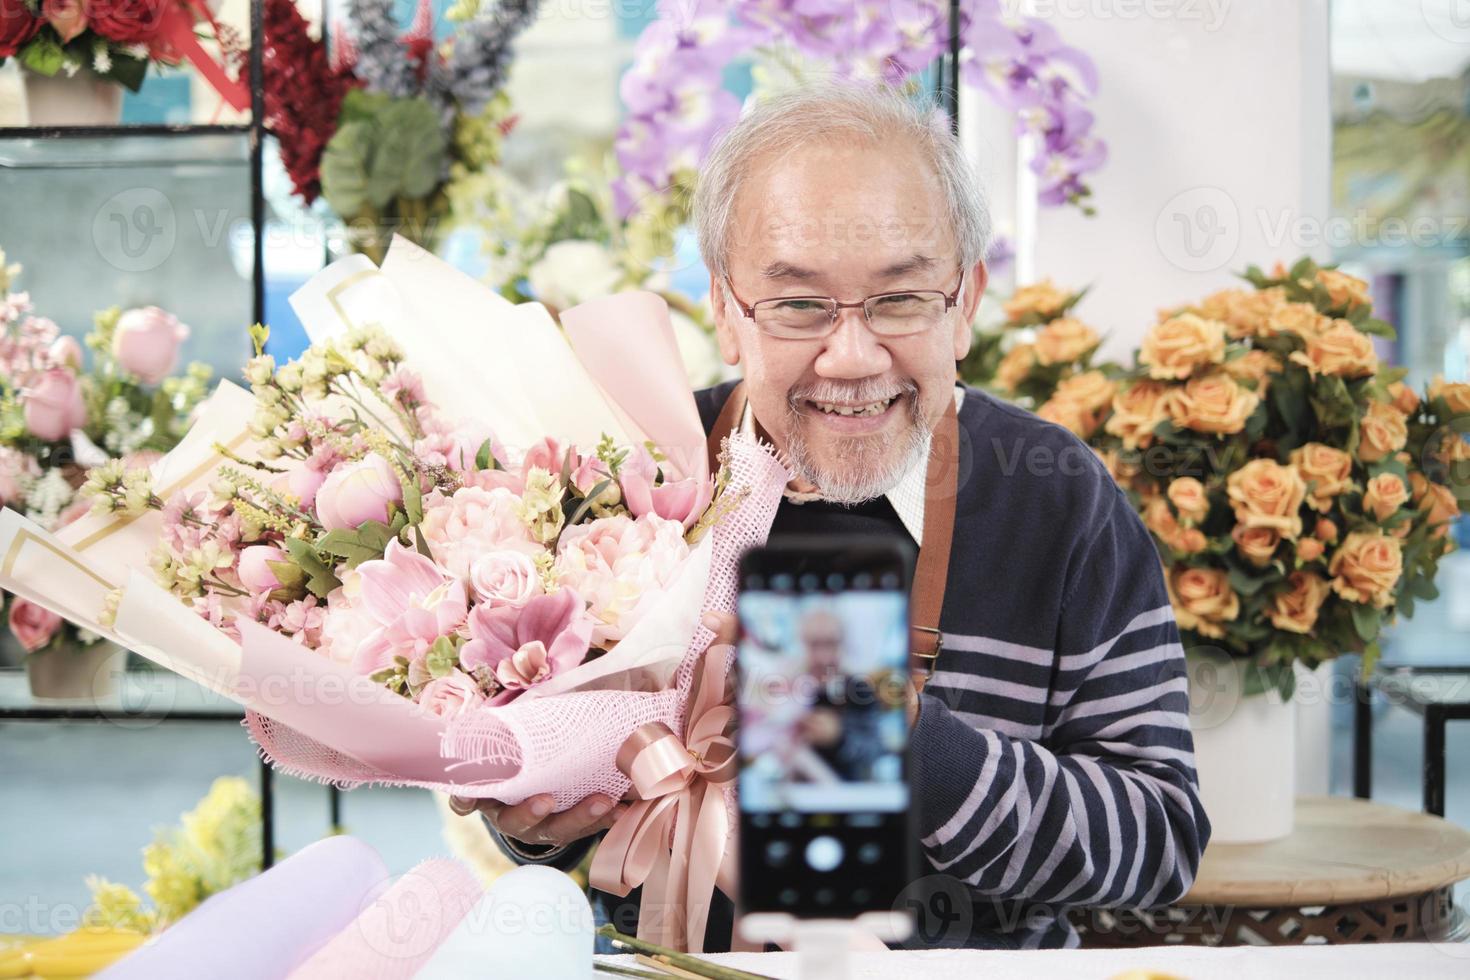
(65, 16)
(547, 454)
(354, 493)
(54, 406)
(66, 352)
(472, 522)
(507, 578)
(146, 343)
(523, 647)
(618, 563)
(255, 570)
(450, 695)
(16, 468)
(588, 473)
(682, 500)
(32, 625)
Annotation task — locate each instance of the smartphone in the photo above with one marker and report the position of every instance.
(825, 825)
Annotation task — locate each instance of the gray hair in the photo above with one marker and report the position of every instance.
(824, 111)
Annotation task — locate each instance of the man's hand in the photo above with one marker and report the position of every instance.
(532, 822)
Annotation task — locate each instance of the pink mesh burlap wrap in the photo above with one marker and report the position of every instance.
(565, 744)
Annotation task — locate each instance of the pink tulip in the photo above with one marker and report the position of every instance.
(354, 493)
(682, 500)
(66, 352)
(146, 343)
(54, 406)
(255, 570)
(32, 625)
(522, 647)
(548, 454)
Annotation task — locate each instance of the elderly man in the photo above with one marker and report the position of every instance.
(1052, 760)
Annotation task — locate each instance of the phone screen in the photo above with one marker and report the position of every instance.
(823, 788)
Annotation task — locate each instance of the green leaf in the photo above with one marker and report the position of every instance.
(288, 573)
(344, 169)
(42, 55)
(1371, 653)
(1380, 327)
(586, 504)
(413, 502)
(127, 71)
(321, 578)
(484, 459)
(1366, 620)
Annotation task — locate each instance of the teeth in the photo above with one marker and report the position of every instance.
(872, 408)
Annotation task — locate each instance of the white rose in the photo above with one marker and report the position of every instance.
(698, 350)
(506, 578)
(573, 272)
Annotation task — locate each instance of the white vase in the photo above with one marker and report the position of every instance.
(82, 99)
(1245, 752)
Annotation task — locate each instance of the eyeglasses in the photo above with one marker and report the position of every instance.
(895, 314)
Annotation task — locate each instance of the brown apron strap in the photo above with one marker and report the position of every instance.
(726, 423)
(926, 598)
(941, 486)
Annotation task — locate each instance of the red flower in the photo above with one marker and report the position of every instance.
(127, 21)
(17, 26)
(303, 94)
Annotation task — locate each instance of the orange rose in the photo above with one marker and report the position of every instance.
(1456, 394)
(1326, 471)
(1385, 494)
(1254, 365)
(1301, 319)
(1437, 501)
(1295, 608)
(1090, 389)
(1403, 397)
(1137, 411)
(1344, 290)
(1189, 498)
(1202, 599)
(1266, 494)
(1210, 403)
(1121, 470)
(1382, 431)
(1325, 530)
(1256, 544)
(1015, 366)
(1041, 298)
(1176, 348)
(1453, 451)
(1159, 519)
(1341, 350)
(1309, 549)
(1069, 415)
(1064, 340)
(1243, 311)
(1366, 567)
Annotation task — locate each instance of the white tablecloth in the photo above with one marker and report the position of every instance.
(1387, 961)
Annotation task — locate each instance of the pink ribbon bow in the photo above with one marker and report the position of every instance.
(680, 786)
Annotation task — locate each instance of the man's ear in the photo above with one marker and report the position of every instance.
(725, 315)
(975, 282)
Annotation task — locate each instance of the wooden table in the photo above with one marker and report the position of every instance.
(1352, 871)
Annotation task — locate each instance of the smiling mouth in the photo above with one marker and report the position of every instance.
(854, 409)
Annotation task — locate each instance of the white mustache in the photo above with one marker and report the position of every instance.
(850, 392)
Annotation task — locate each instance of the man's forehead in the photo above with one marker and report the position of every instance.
(779, 269)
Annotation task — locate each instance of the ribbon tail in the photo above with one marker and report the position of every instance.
(707, 850)
(609, 871)
(658, 921)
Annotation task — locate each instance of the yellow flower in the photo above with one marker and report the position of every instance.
(1295, 608)
(1266, 494)
(1203, 600)
(1341, 350)
(1382, 431)
(1179, 346)
(1041, 298)
(1326, 470)
(1366, 567)
(1384, 495)
(1210, 403)
(1064, 340)
(1137, 411)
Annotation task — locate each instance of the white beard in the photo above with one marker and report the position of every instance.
(870, 465)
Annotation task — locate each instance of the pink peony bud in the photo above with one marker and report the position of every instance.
(146, 343)
(32, 625)
(54, 406)
(357, 492)
(66, 352)
(255, 570)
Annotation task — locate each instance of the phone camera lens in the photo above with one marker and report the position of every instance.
(862, 580)
(809, 582)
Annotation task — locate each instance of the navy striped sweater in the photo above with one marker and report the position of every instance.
(1052, 760)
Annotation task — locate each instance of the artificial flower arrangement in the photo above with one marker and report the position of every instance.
(385, 124)
(1037, 347)
(57, 419)
(401, 593)
(1299, 492)
(118, 39)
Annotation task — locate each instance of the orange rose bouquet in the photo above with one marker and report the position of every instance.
(1039, 346)
(1299, 492)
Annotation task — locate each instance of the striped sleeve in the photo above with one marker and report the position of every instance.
(1102, 807)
